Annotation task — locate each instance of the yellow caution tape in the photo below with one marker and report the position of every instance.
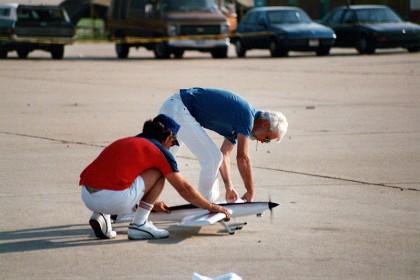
(127, 40)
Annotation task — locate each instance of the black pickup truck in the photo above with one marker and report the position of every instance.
(24, 28)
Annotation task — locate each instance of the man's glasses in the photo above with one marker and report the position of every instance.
(265, 140)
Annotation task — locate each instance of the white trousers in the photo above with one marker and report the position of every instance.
(199, 143)
(114, 202)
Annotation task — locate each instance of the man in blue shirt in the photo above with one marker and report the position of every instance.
(231, 116)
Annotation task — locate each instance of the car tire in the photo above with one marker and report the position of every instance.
(240, 48)
(365, 46)
(178, 53)
(3, 53)
(323, 51)
(219, 52)
(57, 51)
(122, 50)
(276, 50)
(162, 51)
(22, 53)
(413, 49)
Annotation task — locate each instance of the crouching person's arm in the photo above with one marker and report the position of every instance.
(190, 194)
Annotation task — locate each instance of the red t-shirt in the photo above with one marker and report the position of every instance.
(119, 164)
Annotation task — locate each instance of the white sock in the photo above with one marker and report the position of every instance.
(142, 213)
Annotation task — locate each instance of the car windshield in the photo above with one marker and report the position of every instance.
(290, 16)
(188, 5)
(45, 15)
(377, 16)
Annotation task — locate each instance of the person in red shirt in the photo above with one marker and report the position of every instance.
(131, 173)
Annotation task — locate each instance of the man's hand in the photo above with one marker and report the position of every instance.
(215, 208)
(160, 206)
(231, 195)
(248, 197)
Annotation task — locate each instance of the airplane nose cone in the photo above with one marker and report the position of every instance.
(271, 205)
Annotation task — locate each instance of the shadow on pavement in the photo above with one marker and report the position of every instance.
(64, 236)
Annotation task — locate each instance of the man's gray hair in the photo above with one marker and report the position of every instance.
(278, 122)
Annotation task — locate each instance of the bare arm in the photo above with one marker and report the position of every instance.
(244, 166)
(190, 194)
(226, 149)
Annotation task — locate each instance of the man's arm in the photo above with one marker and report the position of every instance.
(190, 194)
(226, 149)
(244, 166)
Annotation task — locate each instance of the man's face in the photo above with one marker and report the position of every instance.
(261, 131)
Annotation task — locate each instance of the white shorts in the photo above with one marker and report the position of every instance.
(114, 202)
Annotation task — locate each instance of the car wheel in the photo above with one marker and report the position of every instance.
(162, 51)
(240, 49)
(413, 49)
(22, 53)
(178, 53)
(323, 51)
(276, 50)
(219, 52)
(122, 50)
(365, 46)
(57, 51)
(3, 53)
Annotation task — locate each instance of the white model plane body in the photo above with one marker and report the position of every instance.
(190, 216)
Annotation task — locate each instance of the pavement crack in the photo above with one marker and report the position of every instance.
(52, 139)
(385, 185)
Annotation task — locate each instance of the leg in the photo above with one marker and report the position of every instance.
(209, 156)
(141, 228)
(153, 185)
(199, 143)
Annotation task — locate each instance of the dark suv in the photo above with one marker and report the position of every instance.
(168, 27)
(24, 28)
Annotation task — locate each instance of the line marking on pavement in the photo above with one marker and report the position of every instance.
(257, 167)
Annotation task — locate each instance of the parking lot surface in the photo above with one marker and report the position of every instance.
(346, 175)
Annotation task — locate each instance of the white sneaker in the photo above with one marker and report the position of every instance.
(146, 231)
(101, 225)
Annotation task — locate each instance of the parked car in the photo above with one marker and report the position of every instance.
(282, 29)
(370, 27)
(24, 28)
(168, 27)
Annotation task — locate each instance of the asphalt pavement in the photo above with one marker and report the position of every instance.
(346, 176)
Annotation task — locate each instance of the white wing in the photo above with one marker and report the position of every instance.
(202, 220)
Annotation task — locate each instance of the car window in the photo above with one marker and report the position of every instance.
(188, 5)
(289, 16)
(138, 4)
(50, 15)
(377, 15)
(349, 17)
(4, 12)
(260, 18)
(251, 18)
(335, 17)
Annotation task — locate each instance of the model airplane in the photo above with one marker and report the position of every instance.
(189, 215)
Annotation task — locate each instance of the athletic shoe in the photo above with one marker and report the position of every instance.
(146, 231)
(102, 226)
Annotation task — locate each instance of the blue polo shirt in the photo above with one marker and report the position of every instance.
(220, 110)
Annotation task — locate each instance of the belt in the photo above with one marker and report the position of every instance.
(92, 190)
